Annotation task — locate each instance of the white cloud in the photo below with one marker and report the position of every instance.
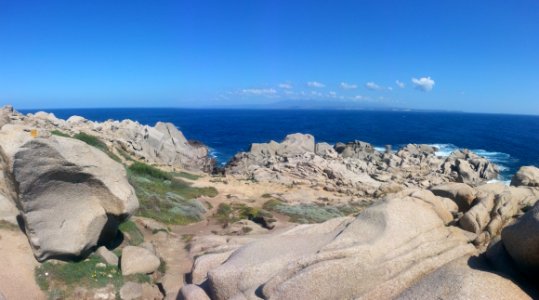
(400, 84)
(259, 92)
(332, 94)
(373, 86)
(358, 97)
(317, 94)
(389, 88)
(315, 84)
(348, 86)
(424, 84)
(285, 86)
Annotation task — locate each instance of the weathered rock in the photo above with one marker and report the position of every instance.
(107, 256)
(131, 291)
(71, 195)
(457, 280)
(461, 193)
(467, 167)
(8, 209)
(192, 292)
(526, 176)
(382, 252)
(137, 260)
(521, 240)
(354, 168)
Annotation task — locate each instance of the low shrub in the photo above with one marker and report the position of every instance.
(309, 212)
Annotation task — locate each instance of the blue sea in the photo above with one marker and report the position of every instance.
(510, 141)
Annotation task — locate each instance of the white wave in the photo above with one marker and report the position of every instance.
(444, 150)
(380, 149)
(505, 182)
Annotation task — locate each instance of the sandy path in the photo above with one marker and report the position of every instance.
(17, 265)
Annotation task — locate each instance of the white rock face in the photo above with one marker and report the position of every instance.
(71, 195)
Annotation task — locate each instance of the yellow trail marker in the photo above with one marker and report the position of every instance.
(33, 132)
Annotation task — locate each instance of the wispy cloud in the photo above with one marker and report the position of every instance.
(400, 84)
(285, 86)
(373, 86)
(259, 92)
(424, 84)
(315, 84)
(348, 86)
(332, 94)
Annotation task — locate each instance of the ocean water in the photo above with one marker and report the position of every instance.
(508, 140)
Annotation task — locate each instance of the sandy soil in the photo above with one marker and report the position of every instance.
(17, 265)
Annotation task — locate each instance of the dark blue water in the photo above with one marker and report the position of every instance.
(509, 140)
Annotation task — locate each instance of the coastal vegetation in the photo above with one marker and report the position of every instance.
(61, 279)
(165, 197)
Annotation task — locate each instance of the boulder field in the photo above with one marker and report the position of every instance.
(438, 228)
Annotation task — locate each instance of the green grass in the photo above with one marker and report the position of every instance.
(124, 154)
(62, 278)
(60, 133)
(310, 213)
(132, 230)
(186, 175)
(96, 142)
(143, 169)
(165, 198)
(230, 213)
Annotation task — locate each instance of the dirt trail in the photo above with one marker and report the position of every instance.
(17, 265)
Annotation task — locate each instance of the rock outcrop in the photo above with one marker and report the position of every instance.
(526, 176)
(356, 168)
(162, 144)
(521, 240)
(378, 254)
(71, 196)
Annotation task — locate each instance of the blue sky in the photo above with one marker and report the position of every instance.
(479, 56)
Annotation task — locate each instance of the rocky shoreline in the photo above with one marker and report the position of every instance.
(285, 220)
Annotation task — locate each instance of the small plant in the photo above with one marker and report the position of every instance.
(130, 228)
(309, 213)
(230, 213)
(60, 133)
(7, 225)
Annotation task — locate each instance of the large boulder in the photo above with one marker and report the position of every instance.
(378, 254)
(458, 280)
(71, 195)
(461, 193)
(526, 176)
(521, 240)
(138, 260)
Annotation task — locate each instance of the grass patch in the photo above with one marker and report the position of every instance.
(143, 169)
(60, 133)
(96, 142)
(230, 213)
(61, 278)
(130, 228)
(165, 198)
(186, 175)
(309, 213)
(124, 154)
